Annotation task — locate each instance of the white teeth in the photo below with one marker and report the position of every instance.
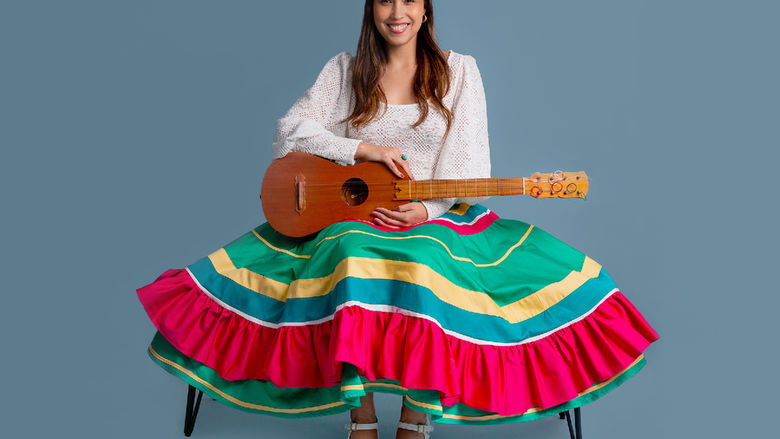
(399, 27)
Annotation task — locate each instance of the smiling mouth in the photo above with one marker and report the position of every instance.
(398, 28)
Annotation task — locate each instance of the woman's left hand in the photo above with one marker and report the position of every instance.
(405, 215)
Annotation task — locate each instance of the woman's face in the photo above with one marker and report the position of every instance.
(398, 21)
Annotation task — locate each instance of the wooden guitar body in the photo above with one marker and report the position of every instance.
(302, 194)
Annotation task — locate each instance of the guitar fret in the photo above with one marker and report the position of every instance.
(468, 187)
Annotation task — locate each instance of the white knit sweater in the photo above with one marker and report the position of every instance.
(313, 125)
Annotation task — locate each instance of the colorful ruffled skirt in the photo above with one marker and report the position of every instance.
(472, 318)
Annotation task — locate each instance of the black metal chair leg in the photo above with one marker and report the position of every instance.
(568, 422)
(578, 422)
(575, 432)
(192, 412)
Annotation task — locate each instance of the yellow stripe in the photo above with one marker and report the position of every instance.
(423, 404)
(410, 272)
(460, 210)
(362, 386)
(536, 303)
(533, 409)
(236, 400)
(250, 405)
(394, 386)
(279, 249)
(457, 258)
(511, 249)
(352, 387)
(248, 278)
(604, 383)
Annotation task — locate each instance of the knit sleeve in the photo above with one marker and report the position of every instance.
(313, 124)
(466, 151)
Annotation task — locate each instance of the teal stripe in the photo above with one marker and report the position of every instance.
(408, 296)
(470, 215)
(540, 260)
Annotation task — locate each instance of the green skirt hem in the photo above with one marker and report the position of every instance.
(257, 396)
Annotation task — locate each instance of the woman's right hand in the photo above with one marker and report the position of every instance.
(390, 156)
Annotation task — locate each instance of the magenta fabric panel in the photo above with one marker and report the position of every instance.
(414, 351)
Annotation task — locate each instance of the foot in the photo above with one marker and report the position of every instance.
(364, 434)
(364, 415)
(415, 418)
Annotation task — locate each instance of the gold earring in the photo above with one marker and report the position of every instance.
(425, 18)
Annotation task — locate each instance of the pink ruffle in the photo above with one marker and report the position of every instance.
(417, 353)
(477, 226)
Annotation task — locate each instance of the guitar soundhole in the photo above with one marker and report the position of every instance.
(354, 191)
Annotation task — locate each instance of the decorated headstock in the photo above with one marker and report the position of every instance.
(556, 184)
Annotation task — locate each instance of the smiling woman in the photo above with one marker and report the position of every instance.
(471, 318)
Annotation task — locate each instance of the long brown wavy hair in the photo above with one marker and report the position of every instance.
(431, 81)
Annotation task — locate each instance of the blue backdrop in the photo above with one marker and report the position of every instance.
(134, 137)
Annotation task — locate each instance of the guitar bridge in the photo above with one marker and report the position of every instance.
(300, 193)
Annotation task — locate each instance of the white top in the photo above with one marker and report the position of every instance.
(313, 125)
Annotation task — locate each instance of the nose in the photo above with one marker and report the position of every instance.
(398, 8)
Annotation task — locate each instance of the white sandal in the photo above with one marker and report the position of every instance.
(425, 429)
(354, 426)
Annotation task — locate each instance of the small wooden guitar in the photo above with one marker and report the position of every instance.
(302, 193)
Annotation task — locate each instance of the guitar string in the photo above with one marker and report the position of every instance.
(442, 186)
(328, 187)
(438, 181)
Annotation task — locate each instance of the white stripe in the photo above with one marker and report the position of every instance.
(396, 310)
(462, 224)
(541, 336)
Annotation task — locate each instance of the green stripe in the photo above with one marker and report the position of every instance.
(282, 400)
(463, 410)
(541, 260)
(255, 392)
(406, 296)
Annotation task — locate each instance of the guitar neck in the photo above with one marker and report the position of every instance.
(460, 188)
(562, 185)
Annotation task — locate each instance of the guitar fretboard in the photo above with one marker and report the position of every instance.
(461, 188)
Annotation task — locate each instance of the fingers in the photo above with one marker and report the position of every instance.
(394, 159)
(384, 224)
(395, 214)
(391, 164)
(405, 165)
(389, 217)
(405, 215)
